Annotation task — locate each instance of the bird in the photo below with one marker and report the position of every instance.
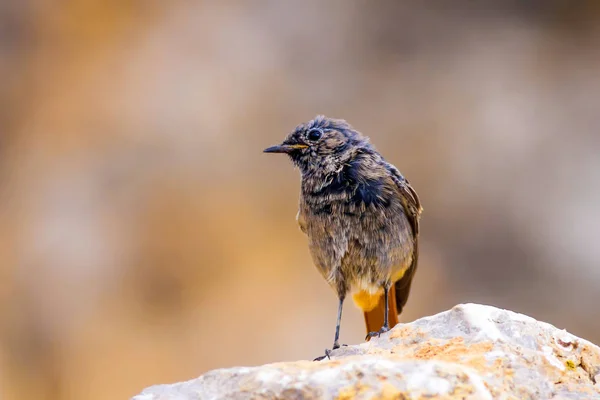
(361, 217)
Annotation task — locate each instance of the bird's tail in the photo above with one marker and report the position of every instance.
(374, 317)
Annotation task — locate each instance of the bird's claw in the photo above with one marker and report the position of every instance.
(328, 352)
(377, 333)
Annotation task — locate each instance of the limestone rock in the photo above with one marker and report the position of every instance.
(469, 352)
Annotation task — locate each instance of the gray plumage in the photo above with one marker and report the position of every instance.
(361, 216)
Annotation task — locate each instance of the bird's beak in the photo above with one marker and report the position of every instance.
(285, 148)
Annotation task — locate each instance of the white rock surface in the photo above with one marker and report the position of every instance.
(469, 352)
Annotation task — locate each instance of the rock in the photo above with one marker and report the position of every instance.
(470, 352)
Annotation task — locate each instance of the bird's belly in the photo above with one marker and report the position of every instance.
(368, 270)
(364, 281)
(363, 250)
(371, 261)
(372, 283)
(366, 294)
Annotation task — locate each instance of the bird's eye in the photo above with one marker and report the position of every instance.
(314, 134)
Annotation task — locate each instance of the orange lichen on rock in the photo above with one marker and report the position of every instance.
(455, 351)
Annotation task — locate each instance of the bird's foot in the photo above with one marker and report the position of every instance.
(328, 352)
(326, 356)
(383, 329)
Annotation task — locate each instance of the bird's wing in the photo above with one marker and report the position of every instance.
(413, 209)
(398, 294)
(410, 199)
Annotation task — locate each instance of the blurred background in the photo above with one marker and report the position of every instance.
(145, 238)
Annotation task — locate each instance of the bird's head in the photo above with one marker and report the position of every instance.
(321, 145)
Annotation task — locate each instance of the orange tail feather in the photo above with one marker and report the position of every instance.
(374, 318)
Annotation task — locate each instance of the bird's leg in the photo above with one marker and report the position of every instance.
(336, 343)
(386, 324)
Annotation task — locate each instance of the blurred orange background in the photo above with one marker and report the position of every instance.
(146, 239)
